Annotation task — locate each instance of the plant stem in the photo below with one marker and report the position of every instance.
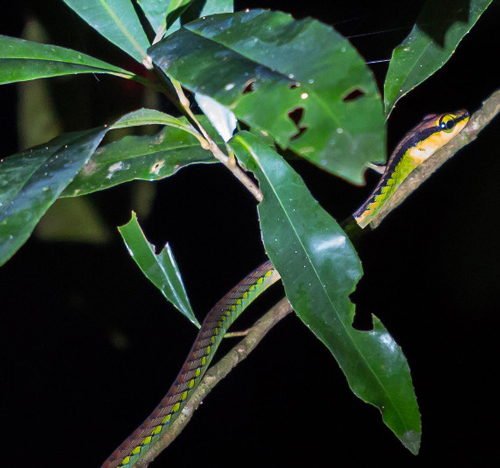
(228, 161)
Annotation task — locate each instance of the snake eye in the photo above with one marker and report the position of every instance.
(447, 123)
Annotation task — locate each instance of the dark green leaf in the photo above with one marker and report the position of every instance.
(175, 10)
(320, 268)
(153, 117)
(155, 11)
(117, 21)
(22, 60)
(432, 41)
(214, 7)
(162, 13)
(200, 9)
(161, 269)
(31, 181)
(140, 158)
(299, 81)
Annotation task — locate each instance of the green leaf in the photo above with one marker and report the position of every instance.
(146, 116)
(151, 157)
(299, 81)
(319, 269)
(202, 8)
(155, 11)
(117, 21)
(22, 60)
(199, 9)
(214, 7)
(161, 269)
(176, 9)
(222, 119)
(439, 29)
(31, 181)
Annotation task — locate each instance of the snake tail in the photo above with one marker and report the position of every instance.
(212, 330)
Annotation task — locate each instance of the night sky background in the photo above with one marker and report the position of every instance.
(88, 346)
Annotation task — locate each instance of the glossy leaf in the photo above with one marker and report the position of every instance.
(199, 9)
(223, 120)
(22, 60)
(117, 21)
(31, 181)
(162, 13)
(146, 116)
(214, 7)
(319, 269)
(155, 11)
(439, 29)
(202, 8)
(161, 269)
(176, 8)
(299, 81)
(152, 157)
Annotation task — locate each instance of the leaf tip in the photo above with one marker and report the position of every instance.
(411, 440)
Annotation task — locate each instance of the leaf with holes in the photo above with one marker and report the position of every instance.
(31, 181)
(319, 269)
(298, 81)
(145, 157)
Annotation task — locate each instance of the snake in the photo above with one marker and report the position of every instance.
(421, 142)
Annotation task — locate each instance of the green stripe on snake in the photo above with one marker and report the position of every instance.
(210, 335)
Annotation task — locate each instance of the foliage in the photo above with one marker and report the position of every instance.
(265, 70)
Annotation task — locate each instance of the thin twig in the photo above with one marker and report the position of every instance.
(479, 120)
(216, 373)
(228, 161)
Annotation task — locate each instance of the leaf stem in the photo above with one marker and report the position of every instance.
(228, 161)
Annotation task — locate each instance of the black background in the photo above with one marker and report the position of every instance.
(70, 394)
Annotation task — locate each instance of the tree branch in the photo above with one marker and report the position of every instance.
(216, 373)
(479, 120)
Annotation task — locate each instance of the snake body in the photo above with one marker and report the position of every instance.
(419, 144)
(217, 321)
